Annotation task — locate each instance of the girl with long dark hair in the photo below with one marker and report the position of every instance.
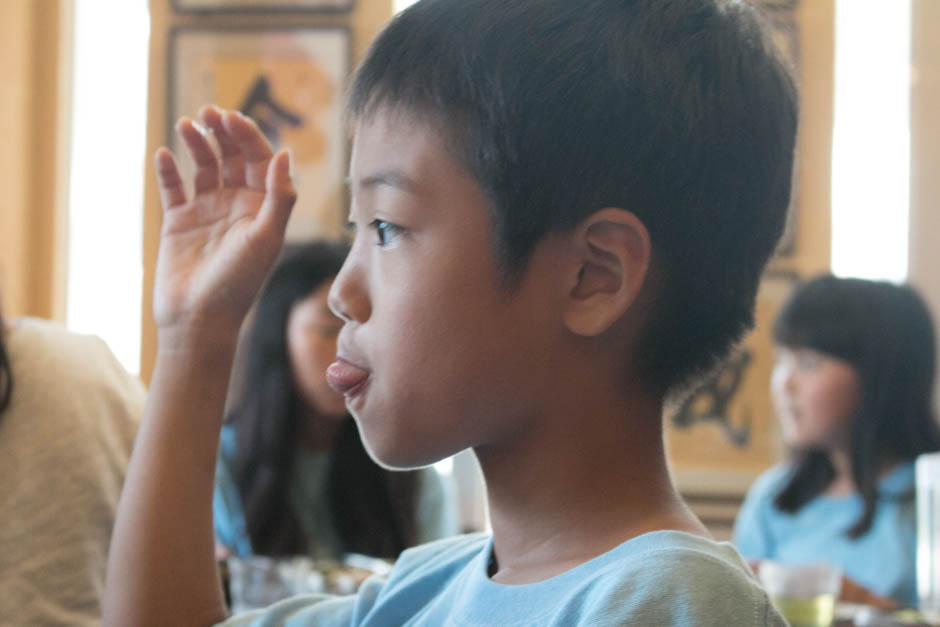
(293, 477)
(853, 388)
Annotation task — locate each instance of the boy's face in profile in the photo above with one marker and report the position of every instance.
(450, 357)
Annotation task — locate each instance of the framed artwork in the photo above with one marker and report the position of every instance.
(260, 6)
(291, 82)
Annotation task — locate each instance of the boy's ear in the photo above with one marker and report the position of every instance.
(612, 254)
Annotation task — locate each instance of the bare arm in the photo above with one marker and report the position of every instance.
(853, 592)
(215, 250)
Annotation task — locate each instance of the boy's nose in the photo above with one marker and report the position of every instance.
(346, 299)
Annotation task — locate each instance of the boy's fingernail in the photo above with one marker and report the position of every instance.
(199, 127)
(290, 162)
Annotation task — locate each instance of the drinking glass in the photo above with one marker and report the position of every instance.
(256, 582)
(804, 593)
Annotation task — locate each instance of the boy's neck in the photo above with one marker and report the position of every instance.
(582, 483)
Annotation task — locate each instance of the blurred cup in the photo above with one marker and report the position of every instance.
(804, 593)
(256, 582)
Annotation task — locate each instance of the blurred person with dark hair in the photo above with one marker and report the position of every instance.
(853, 387)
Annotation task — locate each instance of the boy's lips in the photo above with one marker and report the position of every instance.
(345, 377)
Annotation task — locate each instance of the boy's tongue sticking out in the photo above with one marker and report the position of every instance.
(345, 377)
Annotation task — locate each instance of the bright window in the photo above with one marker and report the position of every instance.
(871, 143)
(109, 124)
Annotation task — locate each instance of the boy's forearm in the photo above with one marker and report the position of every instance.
(161, 569)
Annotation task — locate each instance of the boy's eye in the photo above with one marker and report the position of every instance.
(385, 231)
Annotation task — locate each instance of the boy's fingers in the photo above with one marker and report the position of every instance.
(207, 164)
(233, 164)
(280, 196)
(254, 147)
(169, 181)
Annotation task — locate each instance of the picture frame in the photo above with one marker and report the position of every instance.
(781, 16)
(291, 81)
(263, 6)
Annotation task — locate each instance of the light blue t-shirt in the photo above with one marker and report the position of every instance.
(436, 510)
(883, 560)
(663, 578)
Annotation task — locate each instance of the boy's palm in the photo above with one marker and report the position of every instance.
(216, 248)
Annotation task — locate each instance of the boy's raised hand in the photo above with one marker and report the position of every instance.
(217, 247)
(215, 251)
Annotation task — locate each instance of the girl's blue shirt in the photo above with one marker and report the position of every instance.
(883, 560)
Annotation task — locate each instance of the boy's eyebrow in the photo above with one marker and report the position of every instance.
(392, 178)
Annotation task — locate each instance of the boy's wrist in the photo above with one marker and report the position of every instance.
(193, 338)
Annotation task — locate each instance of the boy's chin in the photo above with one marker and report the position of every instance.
(401, 455)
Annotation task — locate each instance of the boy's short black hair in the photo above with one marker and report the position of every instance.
(677, 110)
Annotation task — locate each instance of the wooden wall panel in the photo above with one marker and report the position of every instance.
(35, 42)
(924, 259)
(16, 51)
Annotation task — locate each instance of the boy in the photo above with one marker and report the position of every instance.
(561, 212)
